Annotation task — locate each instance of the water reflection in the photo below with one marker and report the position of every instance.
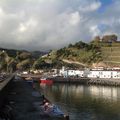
(86, 102)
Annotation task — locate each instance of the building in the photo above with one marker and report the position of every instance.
(104, 74)
(68, 73)
(94, 73)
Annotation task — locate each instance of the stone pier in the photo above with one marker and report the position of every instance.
(4, 89)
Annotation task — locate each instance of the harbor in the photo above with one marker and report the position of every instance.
(59, 60)
(21, 100)
(76, 80)
(20, 97)
(87, 76)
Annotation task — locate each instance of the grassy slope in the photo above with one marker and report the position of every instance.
(75, 55)
(109, 53)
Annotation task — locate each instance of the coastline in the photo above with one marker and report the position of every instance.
(79, 80)
(87, 81)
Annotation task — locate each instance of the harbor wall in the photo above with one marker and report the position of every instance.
(70, 80)
(4, 91)
(81, 80)
(88, 81)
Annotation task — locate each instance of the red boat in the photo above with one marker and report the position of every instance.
(46, 81)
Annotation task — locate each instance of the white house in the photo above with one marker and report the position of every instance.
(79, 73)
(64, 72)
(91, 73)
(104, 74)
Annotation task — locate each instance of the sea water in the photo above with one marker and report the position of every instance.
(85, 102)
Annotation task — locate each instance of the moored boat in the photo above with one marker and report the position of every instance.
(46, 81)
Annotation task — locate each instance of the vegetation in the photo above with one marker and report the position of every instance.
(11, 60)
(80, 54)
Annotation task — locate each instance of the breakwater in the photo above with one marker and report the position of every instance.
(5, 109)
(4, 88)
(88, 81)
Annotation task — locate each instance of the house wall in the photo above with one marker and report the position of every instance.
(104, 74)
(91, 73)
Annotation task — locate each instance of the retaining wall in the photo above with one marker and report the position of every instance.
(97, 81)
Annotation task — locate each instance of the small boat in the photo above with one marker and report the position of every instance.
(53, 110)
(28, 79)
(46, 81)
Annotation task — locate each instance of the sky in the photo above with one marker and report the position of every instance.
(52, 24)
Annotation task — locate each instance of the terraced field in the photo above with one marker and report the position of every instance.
(111, 55)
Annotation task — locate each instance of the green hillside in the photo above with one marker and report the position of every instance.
(105, 50)
(11, 60)
(80, 54)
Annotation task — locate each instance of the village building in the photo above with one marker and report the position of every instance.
(104, 74)
(91, 73)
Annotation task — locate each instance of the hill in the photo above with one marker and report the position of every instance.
(79, 54)
(13, 52)
(99, 52)
(105, 51)
(11, 59)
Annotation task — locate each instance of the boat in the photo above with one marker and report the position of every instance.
(28, 79)
(46, 81)
(53, 110)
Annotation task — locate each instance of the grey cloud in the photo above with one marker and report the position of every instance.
(51, 24)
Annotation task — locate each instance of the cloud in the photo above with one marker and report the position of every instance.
(74, 18)
(94, 30)
(88, 6)
(52, 24)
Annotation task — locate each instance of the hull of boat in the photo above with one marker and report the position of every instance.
(47, 81)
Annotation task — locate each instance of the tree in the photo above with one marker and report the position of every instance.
(12, 66)
(24, 55)
(70, 45)
(80, 45)
(25, 64)
(40, 63)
